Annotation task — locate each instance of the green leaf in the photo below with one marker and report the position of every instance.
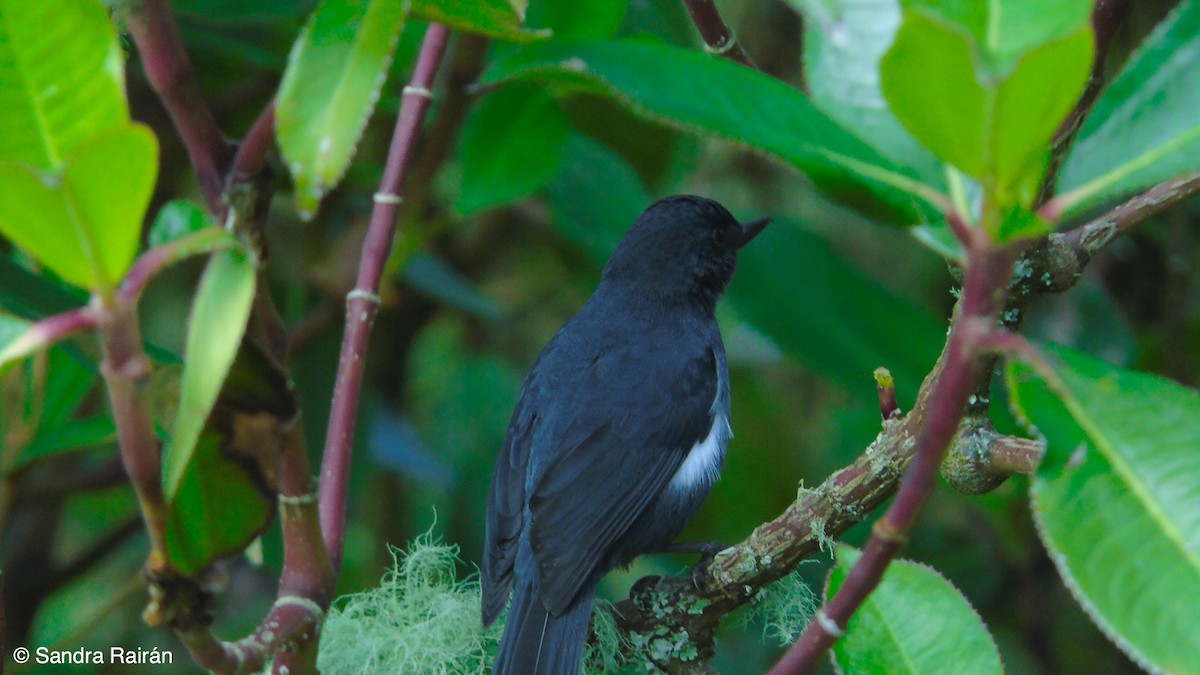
(1115, 500)
(1145, 127)
(696, 92)
(216, 509)
(579, 18)
(62, 79)
(108, 186)
(177, 218)
(330, 87)
(242, 12)
(595, 197)
(14, 339)
(68, 384)
(993, 126)
(1029, 106)
(435, 278)
(85, 223)
(215, 329)
(1004, 30)
(500, 19)
(914, 622)
(512, 144)
(928, 77)
(843, 43)
(33, 296)
(796, 290)
(68, 436)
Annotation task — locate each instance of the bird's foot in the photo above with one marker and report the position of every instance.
(707, 550)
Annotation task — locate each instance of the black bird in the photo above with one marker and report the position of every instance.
(619, 433)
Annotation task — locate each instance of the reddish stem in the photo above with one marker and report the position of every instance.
(59, 327)
(885, 386)
(126, 369)
(718, 37)
(363, 302)
(251, 153)
(986, 280)
(169, 71)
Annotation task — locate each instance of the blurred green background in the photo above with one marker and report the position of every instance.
(515, 200)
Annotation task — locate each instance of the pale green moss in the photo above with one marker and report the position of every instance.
(423, 619)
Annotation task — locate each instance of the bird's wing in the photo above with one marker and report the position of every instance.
(506, 504)
(637, 413)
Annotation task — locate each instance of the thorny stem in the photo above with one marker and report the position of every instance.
(718, 37)
(363, 302)
(169, 71)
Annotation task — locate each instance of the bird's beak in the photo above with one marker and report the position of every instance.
(751, 229)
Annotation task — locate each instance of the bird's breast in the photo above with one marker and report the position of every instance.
(702, 465)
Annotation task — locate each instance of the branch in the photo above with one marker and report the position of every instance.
(885, 386)
(291, 627)
(152, 26)
(126, 371)
(49, 331)
(251, 155)
(694, 606)
(988, 273)
(981, 459)
(156, 259)
(362, 303)
(718, 37)
(1057, 263)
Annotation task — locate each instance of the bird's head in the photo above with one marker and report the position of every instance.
(681, 248)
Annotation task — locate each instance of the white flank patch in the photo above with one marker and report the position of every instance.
(703, 463)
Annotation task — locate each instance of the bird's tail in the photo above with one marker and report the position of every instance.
(537, 643)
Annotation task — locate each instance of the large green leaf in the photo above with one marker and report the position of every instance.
(843, 42)
(85, 223)
(62, 79)
(1004, 30)
(1145, 127)
(714, 96)
(330, 87)
(34, 296)
(579, 18)
(595, 197)
(68, 436)
(512, 143)
(215, 329)
(795, 289)
(501, 19)
(217, 508)
(915, 622)
(994, 126)
(65, 385)
(1116, 500)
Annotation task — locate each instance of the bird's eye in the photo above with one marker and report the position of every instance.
(720, 236)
